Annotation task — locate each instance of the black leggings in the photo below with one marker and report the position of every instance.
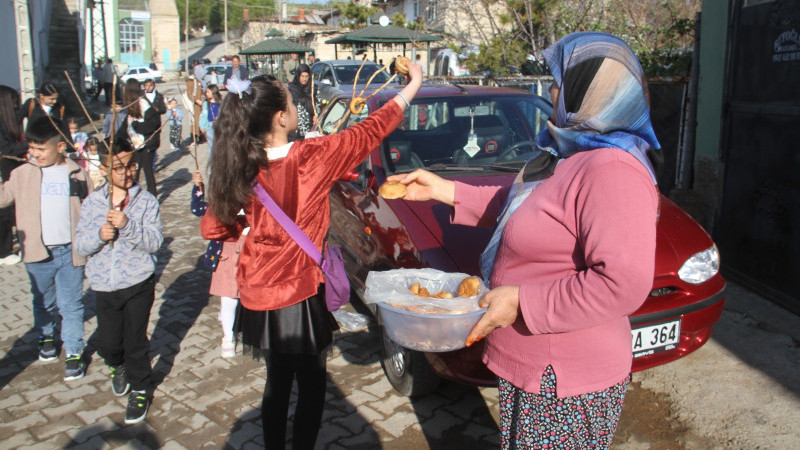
(311, 382)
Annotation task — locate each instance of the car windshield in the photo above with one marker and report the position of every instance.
(346, 73)
(467, 132)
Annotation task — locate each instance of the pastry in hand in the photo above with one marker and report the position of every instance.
(414, 288)
(443, 294)
(392, 190)
(469, 287)
(401, 65)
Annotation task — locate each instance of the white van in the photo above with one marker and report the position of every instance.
(450, 63)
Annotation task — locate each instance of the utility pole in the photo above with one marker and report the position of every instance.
(186, 40)
(226, 27)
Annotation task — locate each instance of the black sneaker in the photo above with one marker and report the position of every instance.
(74, 368)
(119, 381)
(138, 404)
(47, 348)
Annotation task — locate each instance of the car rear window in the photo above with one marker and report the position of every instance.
(346, 74)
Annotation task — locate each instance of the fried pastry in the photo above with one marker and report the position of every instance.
(401, 65)
(392, 190)
(469, 287)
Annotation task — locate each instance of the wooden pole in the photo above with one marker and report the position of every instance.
(83, 107)
(111, 149)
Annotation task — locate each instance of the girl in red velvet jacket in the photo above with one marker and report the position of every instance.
(283, 313)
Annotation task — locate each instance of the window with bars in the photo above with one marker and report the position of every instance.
(131, 36)
(430, 11)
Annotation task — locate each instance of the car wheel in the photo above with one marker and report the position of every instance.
(407, 370)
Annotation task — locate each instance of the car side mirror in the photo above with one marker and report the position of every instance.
(350, 176)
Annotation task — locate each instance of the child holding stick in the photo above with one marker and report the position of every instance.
(122, 276)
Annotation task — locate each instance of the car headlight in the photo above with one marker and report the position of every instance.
(701, 266)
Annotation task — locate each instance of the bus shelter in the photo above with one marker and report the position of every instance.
(273, 46)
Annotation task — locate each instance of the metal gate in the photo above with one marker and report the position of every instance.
(759, 227)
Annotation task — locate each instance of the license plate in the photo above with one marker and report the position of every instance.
(656, 338)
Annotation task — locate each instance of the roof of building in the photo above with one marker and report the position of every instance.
(389, 34)
(275, 46)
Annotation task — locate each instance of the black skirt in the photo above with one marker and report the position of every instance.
(305, 328)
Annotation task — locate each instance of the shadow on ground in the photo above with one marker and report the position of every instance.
(342, 424)
(183, 301)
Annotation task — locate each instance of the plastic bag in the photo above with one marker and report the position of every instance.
(391, 287)
(351, 321)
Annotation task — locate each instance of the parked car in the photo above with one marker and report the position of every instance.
(215, 74)
(336, 77)
(140, 74)
(451, 63)
(378, 234)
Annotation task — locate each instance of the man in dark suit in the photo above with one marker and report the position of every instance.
(236, 71)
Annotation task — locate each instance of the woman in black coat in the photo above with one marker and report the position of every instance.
(11, 144)
(143, 122)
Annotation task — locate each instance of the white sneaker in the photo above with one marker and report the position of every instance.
(10, 260)
(172, 147)
(228, 348)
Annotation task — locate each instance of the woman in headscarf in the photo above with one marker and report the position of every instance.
(573, 250)
(307, 111)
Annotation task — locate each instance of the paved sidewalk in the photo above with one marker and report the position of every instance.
(203, 400)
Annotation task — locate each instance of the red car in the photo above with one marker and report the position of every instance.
(482, 135)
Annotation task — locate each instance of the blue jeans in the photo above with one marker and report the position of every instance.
(58, 285)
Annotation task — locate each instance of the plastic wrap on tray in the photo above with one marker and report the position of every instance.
(392, 287)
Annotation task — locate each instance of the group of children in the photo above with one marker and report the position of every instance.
(67, 229)
(80, 213)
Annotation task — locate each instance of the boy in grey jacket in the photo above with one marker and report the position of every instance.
(121, 243)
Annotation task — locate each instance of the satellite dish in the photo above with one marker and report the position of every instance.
(383, 21)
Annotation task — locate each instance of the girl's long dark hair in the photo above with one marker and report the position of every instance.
(9, 103)
(239, 153)
(132, 93)
(215, 93)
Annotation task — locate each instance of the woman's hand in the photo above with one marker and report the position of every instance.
(423, 185)
(503, 304)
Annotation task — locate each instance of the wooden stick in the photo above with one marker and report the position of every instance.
(313, 104)
(111, 149)
(341, 121)
(67, 140)
(154, 133)
(358, 72)
(382, 86)
(16, 158)
(83, 107)
(185, 99)
(386, 68)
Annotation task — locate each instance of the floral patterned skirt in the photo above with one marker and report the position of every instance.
(543, 420)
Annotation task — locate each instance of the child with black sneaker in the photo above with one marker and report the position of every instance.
(121, 243)
(47, 194)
